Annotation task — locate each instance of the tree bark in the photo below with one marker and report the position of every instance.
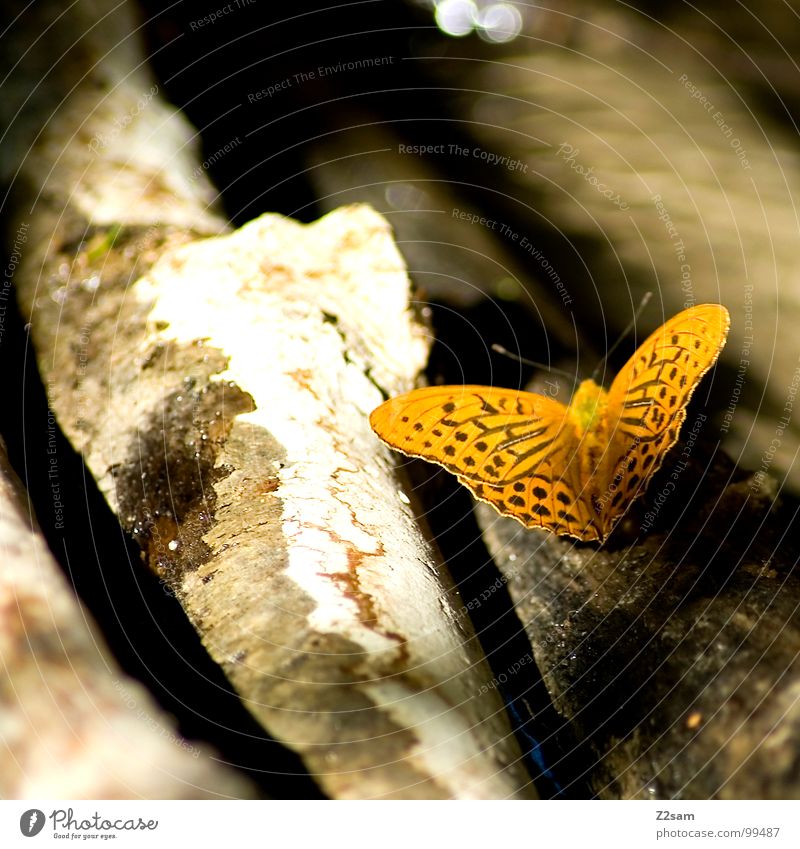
(672, 650)
(72, 725)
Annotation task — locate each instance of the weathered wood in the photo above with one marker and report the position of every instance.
(673, 649)
(245, 466)
(71, 724)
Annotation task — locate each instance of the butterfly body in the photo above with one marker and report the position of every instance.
(587, 414)
(588, 406)
(574, 469)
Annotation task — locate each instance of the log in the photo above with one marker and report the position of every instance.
(671, 651)
(72, 725)
(245, 467)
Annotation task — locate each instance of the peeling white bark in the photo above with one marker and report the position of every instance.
(301, 313)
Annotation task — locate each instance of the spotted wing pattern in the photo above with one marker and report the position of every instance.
(647, 403)
(514, 450)
(525, 454)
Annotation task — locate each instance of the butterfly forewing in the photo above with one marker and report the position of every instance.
(478, 432)
(514, 450)
(648, 398)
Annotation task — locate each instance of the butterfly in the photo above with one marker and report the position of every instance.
(571, 469)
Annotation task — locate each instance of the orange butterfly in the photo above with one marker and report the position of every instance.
(574, 470)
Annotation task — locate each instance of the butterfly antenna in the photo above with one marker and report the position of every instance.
(499, 349)
(639, 310)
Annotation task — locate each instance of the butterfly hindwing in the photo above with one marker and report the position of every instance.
(553, 498)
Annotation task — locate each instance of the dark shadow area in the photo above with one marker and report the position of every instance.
(268, 78)
(553, 758)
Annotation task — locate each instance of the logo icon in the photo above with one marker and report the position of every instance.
(31, 822)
